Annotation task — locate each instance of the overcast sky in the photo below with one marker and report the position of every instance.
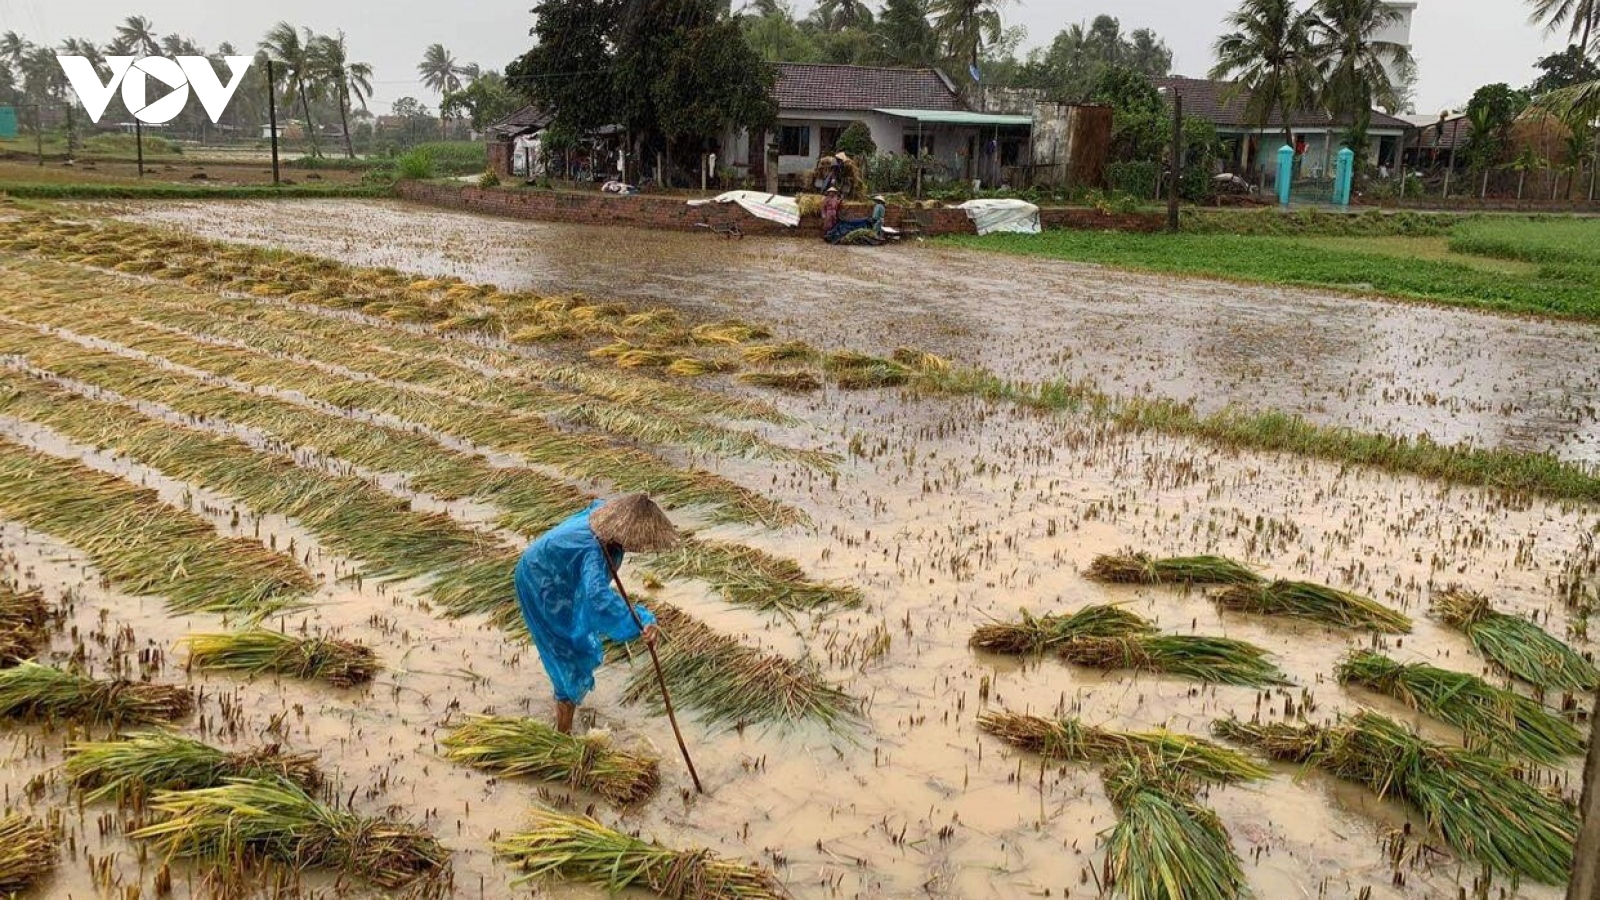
(1459, 44)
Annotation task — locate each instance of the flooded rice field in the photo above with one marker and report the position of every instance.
(246, 401)
(1402, 369)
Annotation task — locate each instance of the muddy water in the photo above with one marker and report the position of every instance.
(1401, 369)
(954, 514)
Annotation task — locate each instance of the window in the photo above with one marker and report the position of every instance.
(794, 140)
(916, 145)
(830, 138)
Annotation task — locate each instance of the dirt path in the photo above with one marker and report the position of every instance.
(1398, 368)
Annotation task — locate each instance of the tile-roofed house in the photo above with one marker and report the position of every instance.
(863, 88)
(1253, 148)
(526, 120)
(907, 110)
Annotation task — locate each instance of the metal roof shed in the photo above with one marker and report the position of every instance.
(957, 117)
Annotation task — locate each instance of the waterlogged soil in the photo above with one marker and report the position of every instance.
(947, 514)
(1399, 368)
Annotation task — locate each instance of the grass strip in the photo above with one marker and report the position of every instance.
(1215, 660)
(1165, 845)
(1515, 644)
(254, 651)
(22, 619)
(131, 768)
(1141, 568)
(527, 747)
(1038, 634)
(27, 853)
(1476, 802)
(140, 544)
(1072, 740)
(33, 692)
(269, 818)
(1313, 602)
(578, 848)
(1500, 721)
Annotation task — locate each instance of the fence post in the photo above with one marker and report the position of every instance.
(1285, 173)
(272, 117)
(1177, 162)
(38, 131)
(138, 142)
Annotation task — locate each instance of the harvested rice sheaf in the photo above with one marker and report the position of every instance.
(269, 818)
(1314, 602)
(528, 747)
(1516, 644)
(1141, 568)
(258, 650)
(1501, 721)
(1478, 803)
(1210, 659)
(1038, 634)
(22, 619)
(1072, 740)
(27, 853)
(1165, 845)
(696, 366)
(749, 577)
(789, 351)
(140, 764)
(798, 381)
(31, 691)
(578, 848)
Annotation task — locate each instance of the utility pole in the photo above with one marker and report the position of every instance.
(272, 117)
(1177, 162)
(138, 141)
(38, 132)
(1586, 862)
(71, 136)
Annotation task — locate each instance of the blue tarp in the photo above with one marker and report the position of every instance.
(569, 606)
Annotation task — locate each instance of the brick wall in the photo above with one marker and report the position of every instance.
(674, 214)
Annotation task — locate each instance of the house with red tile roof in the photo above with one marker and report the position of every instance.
(908, 111)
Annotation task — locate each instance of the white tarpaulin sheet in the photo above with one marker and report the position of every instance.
(772, 207)
(997, 216)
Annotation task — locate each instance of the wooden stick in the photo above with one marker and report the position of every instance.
(666, 698)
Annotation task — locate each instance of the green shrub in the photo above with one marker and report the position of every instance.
(127, 145)
(857, 141)
(1137, 179)
(415, 164)
(488, 179)
(382, 174)
(450, 158)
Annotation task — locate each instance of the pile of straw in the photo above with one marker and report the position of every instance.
(1478, 803)
(1516, 644)
(1141, 568)
(140, 764)
(31, 691)
(527, 747)
(1215, 660)
(1165, 845)
(22, 618)
(270, 818)
(27, 853)
(1038, 634)
(790, 380)
(1315, 602)
(581, 849)
(1071, 740)
(257, 650)
(1499, 720)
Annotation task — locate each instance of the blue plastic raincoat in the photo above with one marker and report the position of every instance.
(564, 589)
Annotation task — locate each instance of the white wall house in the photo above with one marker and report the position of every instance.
(1399, 32)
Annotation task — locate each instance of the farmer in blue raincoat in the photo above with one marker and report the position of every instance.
(564, 587)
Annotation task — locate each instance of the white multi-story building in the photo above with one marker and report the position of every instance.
(1400, 31)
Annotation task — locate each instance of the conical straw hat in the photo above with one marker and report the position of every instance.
(635, 523)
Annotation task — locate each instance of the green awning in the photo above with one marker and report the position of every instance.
(949, 117)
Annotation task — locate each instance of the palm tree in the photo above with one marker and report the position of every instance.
(440, 72)
(1579, 17)
(14, 47)
(1269, 54)
(139, 34)
(963, 26)
(1355, 64)
(331, 63)
(837, 15)
(284, 45)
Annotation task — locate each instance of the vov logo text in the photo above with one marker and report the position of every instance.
(130, 73)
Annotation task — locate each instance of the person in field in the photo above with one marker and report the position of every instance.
(832, 201)
(564, 587)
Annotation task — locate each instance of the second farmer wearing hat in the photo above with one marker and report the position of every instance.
(563, 584)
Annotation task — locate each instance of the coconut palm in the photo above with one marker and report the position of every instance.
(1581, 18)
(174, 45)
(139, 34)
(14, 48)
(964, 26)
(1355, 64)
(42, 78)
(440, 72)
(1269, 54)
(285, 45)
(837, 15)
(331, 63)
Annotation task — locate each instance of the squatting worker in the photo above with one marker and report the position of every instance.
(831, 202)
(879, 207)
(564, 588)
